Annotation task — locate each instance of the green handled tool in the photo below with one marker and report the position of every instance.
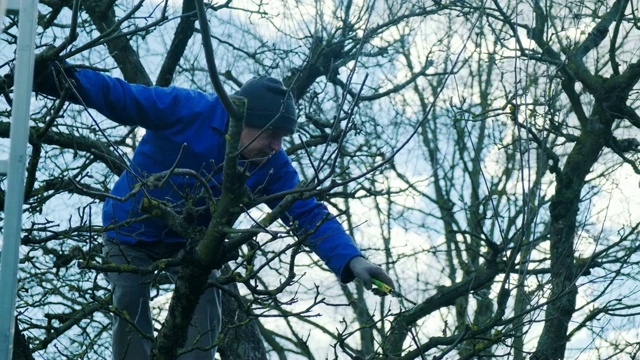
(389, 290)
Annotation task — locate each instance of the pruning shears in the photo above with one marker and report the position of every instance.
(386, 289)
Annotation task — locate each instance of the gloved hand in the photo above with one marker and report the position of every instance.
(6, 83)
(364, 270)
(42, 69)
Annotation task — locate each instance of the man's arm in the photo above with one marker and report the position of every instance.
(151, 107)
(324, 234)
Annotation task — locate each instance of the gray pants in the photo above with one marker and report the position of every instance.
(131, 296)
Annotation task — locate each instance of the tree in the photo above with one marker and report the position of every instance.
(475, 148)
(606, 88)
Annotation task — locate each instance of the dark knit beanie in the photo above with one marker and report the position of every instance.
(269, 104)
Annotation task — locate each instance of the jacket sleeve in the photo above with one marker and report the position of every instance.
(151, 107)
(313, 222)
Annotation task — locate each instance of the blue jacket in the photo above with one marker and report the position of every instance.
(175, 116)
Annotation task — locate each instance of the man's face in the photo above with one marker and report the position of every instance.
(258, 144)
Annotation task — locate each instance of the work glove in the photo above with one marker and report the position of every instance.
(6, 83)
(364, 270)
(7, 78)
(42, 70)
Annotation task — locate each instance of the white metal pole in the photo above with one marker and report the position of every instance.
(3, 9)
(14, 192)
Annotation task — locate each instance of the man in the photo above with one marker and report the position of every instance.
(186, 129)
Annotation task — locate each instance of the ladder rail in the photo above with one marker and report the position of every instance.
(16, 168)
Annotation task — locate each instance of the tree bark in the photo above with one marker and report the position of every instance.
(181, 37)
(191, 283)
(446, 296)
(564, 211)
(103, 16)
(242, 339)
(21, 349)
